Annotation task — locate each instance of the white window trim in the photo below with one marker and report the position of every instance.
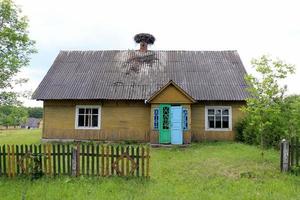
(88, 106)
(218, 129)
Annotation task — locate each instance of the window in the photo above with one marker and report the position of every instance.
(156, 119)
(218, 118)
(185, 119)
(87, 117)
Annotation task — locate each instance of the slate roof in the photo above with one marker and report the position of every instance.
(134, 75)
(32, 122)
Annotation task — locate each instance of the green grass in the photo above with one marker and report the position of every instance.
(220, 170)
(20, 136)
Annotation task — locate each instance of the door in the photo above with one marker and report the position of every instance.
(176, 125)
(165, 125)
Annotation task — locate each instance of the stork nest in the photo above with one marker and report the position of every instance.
(144, 37)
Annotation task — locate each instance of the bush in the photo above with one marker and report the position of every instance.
(247, 132)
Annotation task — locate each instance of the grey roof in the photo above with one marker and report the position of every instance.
(134, 75)
(33, 122)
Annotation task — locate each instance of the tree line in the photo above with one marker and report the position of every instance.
(17, 115)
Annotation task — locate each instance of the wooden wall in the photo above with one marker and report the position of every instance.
(198, 121)
(120, 120)
(128, 120)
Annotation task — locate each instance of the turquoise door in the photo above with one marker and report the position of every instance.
(176, 125)
(164, 125)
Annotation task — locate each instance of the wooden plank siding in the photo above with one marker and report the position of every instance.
(131, 120)
(120, 120)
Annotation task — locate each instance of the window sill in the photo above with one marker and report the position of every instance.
(87, 128)
(219, 129)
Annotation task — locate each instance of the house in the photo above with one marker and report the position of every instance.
(32, 123)
(143, 95)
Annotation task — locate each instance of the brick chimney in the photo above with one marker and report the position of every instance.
(143, 47)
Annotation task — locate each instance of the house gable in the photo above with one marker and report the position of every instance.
(171, 93)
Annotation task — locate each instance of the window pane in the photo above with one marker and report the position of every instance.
(185, 119)
(95, 120)
(218, 112)
(211, 111)
(81, 120)
(87, 111)
(156, 118)
(225, 122)
(86, 120)
(218, 122)
(81, 110)
(166, 114)
(225, 112)
(95, 110)
(211, 123)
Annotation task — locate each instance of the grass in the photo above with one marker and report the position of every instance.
(220, 170)
(20, 136)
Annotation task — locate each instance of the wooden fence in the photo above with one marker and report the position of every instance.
(294, 152)
(78, 159)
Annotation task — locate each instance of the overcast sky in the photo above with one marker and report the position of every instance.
(253, 27)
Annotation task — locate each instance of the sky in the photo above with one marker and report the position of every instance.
(253, 28)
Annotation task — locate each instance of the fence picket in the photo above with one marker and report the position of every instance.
(138, 161)
(82, 160)
(63, 159)
(17, 160)
(112, 159)
(4, 159)
(13, 163)
(93, 161)
(102, 161)
(22, 160)
(54, 160)
(8, 161)
(107, 161)
(122, 161)
(97, 160)
(88, 160)
(148, 159)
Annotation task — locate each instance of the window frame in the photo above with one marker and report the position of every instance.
(218, 129)
(158, 118)
(187, 120)
(84, 107)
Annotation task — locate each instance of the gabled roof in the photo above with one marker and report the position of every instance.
(134, 75)
(187, 96)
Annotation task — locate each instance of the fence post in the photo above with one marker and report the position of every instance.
(74, 161)
(284, 155)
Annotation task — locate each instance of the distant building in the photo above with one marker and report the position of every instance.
(32, 123)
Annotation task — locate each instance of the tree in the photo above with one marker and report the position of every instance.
(36, 112)
(12, 115)
(291, 114)
(263, 111)
(15, 48)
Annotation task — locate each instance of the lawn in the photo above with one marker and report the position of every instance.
(20, 136)
(219, 170)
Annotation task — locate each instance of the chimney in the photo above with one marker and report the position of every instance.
(143, 46)
(144, 39)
